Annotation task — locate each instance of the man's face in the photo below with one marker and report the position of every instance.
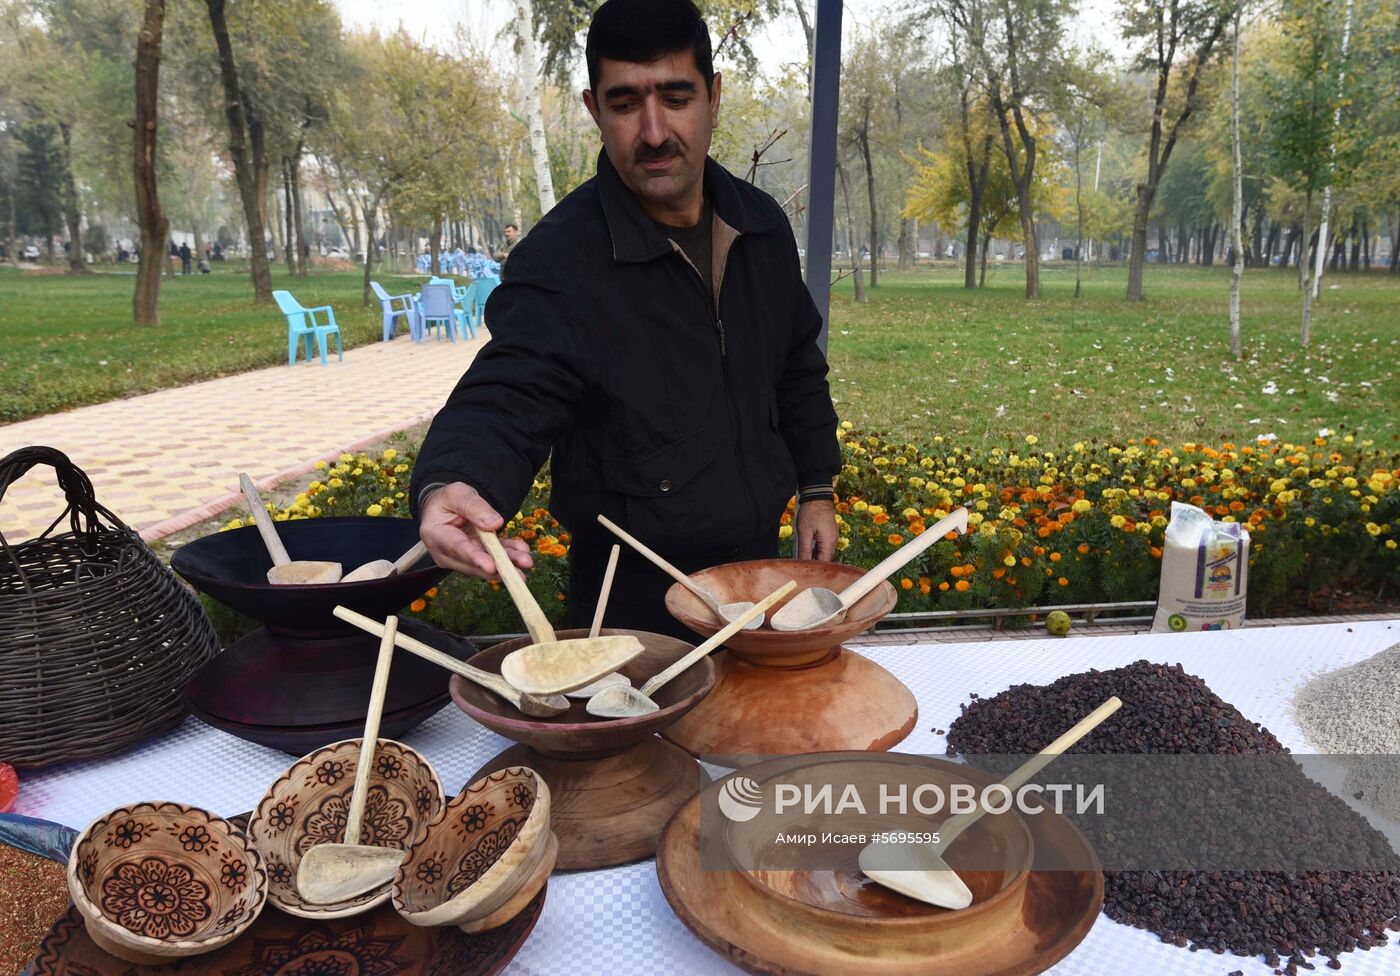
(656, 120)
(512, 233)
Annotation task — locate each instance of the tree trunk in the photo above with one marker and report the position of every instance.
(1394, 242)
(435, 246)
(1294, 230)
(986, 244)
(534, 113)
(198, 244)
(851, 245)
(303, 248)
(289, 244)
(977, 185)
(145, 307)
(906, 243)
(250, 173)
(1078, 215)
(1303, 265)
(371, 215)
(72, 208)
(1023, 176)
(864, 137)
(1237, 205)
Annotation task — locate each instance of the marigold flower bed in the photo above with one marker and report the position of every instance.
(1048, 525)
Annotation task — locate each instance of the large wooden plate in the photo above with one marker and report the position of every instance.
(380, 943)
(751, 927)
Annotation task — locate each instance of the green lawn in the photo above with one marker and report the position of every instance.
(68, 341)
(925, 357)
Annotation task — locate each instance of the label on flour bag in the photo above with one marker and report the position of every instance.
(1204, 569)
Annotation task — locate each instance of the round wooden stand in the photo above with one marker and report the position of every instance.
(846, 702)
(610, 810)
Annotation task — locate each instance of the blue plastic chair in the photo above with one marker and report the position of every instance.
(301, 325)
(437, 307)
(460, 297)
(392, 311)
(475, 301)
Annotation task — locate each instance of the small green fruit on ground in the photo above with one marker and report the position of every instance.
(1176, 622)
(1058, 623)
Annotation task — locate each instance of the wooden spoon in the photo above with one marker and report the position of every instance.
(928, 877)
(528, 704)
(723, 612)
(382, 568)
(284, 572)
(617, 677)
(625, 702)
(333, 872)
(549, 666)
(818, 606)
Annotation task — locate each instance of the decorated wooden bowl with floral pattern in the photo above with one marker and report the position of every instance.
(484, 858)
(308, 806)
(157, 881)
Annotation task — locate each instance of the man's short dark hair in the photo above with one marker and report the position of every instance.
(642, 31)
(509, 226)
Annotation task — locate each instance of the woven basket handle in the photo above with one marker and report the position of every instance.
(83, 508)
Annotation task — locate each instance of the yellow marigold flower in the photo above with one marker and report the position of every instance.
(1278, 485)
(1348, 482)
(917, 482)
(335, 483)
(1081, 506)
(320, 465)
(1032, 440)
(784, 532)
(418, 606)
(1390, 543)
(847, 425)
(1010, 560)
(375, 509)
(357, 472)
(881, 462)
(926, 463)
(1117, 521)
(1144, 527)
(842, 543)
(1285, 497)
(1373, 528)
(389, 454)
(861, 506)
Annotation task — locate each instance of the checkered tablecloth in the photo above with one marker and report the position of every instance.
(616, 921)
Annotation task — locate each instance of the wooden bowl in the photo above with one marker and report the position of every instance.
(159, 881)
(993, 857)
(483, 858)
(754, 580)
(308, 804)
(575, 734)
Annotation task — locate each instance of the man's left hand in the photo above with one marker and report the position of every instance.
(816, 530)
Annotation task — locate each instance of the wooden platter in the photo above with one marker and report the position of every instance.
(380, 943)
(811, 931)
(845, 703)
(611, 810)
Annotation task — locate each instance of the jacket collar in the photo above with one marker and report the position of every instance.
(634, 235)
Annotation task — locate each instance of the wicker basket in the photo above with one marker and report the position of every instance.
(97, 636)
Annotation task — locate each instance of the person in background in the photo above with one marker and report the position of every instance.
(185, 257)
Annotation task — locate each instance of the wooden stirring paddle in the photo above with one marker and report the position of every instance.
(617, 677)
(284, 571)
(382, 568)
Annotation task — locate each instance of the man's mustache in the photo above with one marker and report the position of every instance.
(655, 154)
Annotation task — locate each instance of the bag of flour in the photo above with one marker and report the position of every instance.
(1204, 563)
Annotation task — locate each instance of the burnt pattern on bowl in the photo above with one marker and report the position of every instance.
(309, 803)
(175, 879)
(481, 823)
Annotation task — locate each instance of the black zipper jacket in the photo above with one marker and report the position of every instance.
(688, 418)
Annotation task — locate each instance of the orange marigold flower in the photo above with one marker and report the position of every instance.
(1062, 581)
(925, 587)
(1237, 506)
(1082, 548)
(1156, 553)
(432, 592)
(881, 519)
(998, 573)
(1025, 560)
(962, 586)
(419, 605)
(894, 539)
(1055, 557)
(943, 587)
(906, 583)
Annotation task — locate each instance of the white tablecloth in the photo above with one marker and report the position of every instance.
(616, 921)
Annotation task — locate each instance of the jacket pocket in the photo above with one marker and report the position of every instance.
(670, 497)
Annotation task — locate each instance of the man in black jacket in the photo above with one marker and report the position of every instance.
(653, 332)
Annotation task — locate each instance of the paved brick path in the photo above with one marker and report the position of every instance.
(164, 461)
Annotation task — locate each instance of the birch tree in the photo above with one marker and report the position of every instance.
(534, 111)
(1237, 196)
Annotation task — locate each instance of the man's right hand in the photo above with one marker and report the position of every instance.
(448, 521)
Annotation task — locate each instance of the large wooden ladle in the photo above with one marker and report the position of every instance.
(818, 606)
(723, 612)
(382, 568)
(617, 677)
(547, 707)
(928, 877)
(624, 701)
(549, 666)
(333, 872)
(284, 572)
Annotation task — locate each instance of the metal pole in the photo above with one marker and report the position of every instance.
(821, 177)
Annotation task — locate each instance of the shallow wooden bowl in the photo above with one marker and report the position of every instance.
(159, 881)
(755, 579)
(575, 734)
(483, 858)
(993, 858)
(308, 805)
